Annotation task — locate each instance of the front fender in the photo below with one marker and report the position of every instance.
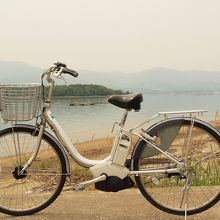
(52, 140)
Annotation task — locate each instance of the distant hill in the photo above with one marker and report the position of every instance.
(152, 80)
(18, 72)
(157, 80)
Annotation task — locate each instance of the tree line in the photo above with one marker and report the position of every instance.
(84, 90)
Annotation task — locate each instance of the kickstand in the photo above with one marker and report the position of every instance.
(185, 191)
(185, 211)
(186, 204)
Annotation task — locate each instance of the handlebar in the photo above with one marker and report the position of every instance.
(70, 72)
(63, 69)
(56, 70)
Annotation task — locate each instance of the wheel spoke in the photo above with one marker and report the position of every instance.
(37, 186)
(199, 150)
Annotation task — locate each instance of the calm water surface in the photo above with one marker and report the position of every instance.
(94, 121)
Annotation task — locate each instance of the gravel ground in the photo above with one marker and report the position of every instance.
(96, 205)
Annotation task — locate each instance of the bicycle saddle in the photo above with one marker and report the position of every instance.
(127, 101)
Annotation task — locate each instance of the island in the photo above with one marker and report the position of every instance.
(84, 90)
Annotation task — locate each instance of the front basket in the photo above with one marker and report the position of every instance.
(19, 102)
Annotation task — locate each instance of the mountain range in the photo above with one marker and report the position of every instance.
(151, 80)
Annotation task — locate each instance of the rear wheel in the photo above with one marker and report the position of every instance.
(197, 145)
(40, 184)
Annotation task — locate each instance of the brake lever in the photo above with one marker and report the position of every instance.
(58, 73)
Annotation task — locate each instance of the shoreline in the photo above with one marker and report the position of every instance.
(103, 145)
(66, 97)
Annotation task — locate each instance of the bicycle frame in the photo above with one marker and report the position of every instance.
(114, 164)
(62, 137)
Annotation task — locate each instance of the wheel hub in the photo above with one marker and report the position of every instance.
(17, 175)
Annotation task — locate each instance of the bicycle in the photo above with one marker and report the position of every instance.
(175, 162)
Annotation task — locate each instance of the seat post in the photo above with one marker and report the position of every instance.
(124, 117)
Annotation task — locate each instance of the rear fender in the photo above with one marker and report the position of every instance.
(166, 130)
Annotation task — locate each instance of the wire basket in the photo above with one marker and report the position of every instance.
(19, 102)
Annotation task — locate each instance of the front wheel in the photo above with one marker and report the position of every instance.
(197, 145)
(40, 184)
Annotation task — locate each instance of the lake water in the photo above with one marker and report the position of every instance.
(94, 121)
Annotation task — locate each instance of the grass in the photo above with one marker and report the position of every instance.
(202, 174)
(79, 174)
(206, 176)
(98, 149)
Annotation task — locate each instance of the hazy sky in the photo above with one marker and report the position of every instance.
(108, 35)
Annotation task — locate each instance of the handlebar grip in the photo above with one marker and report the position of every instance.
(70, 72)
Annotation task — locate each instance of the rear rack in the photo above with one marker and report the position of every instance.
(191, 113)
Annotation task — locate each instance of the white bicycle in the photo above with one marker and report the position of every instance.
(175, 163)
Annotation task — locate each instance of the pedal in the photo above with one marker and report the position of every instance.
(78, 187)
(81, 186)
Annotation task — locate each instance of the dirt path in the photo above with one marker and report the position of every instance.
(96, 205)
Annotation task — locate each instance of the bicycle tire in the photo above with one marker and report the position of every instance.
(44, 179)
(149, 192)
